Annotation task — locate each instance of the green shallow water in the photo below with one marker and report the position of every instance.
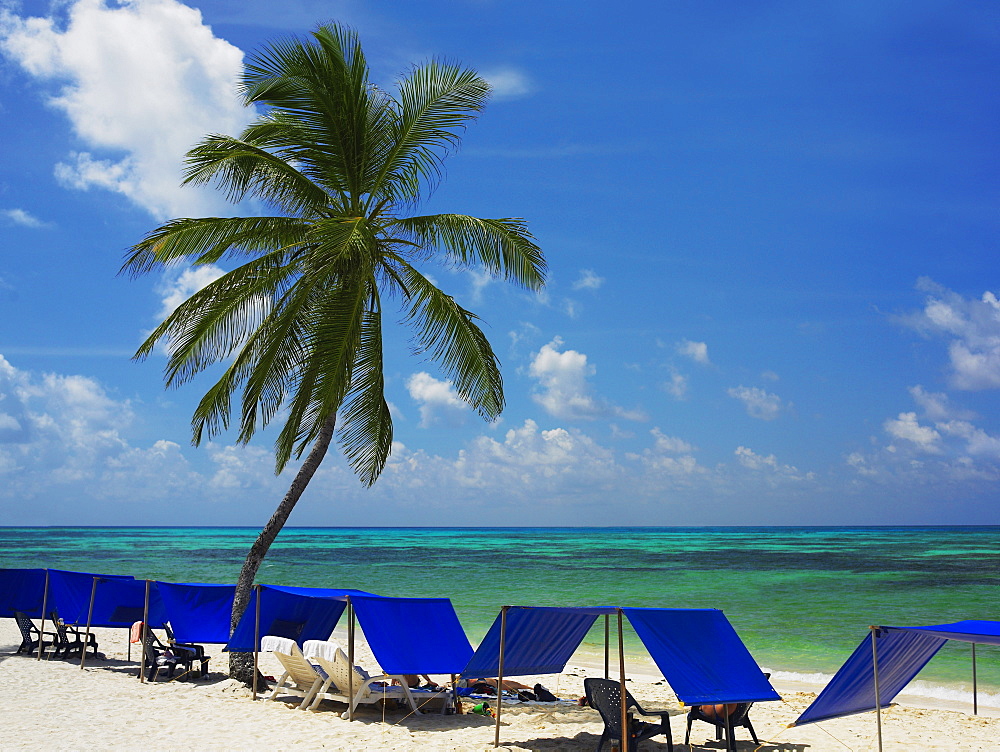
(801, 598)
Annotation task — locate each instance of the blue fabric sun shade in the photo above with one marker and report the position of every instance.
(700, 655)
(296, 612)
(413, 635)
(21, 590)
(120, 603)
(69, 593)
(197, 612)
(537, 641)
(902, 653)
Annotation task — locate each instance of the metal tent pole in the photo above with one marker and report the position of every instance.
(145, 634)
(975, 698)
(256, 641)
(607, 645)
(45, 604)
(350, 659)
(503, 642)
(878, 700)
(90, 616)
(621, 670)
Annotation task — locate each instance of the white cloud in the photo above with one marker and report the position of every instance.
(141, 83)
(972, 328)
(907, 428)
(565, 391)
(22, 218)
(438, 400)
(978, 443)
(937, 406)
(677, 386)
(697, 351)
(480, 279)
(588, 280)
(758, 403)
(760, 463)
(508, 83)
(175, 288)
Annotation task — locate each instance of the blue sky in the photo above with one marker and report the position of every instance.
(771, 229)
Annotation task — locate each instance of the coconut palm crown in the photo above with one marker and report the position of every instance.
(342, 166)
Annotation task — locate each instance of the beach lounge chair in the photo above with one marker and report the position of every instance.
(368, 690)
(605, 696)
(724, 722)
(190, 650)
(30, 635)
(70, 640)
(300, 678)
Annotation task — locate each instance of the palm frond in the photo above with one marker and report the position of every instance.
(436, 101)
(209, 240)
(365, 425)
(504, 247)
(448, 333)
(240, 168)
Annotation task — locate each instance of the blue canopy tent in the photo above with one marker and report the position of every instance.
(296, 612)
(22, 590)
(198, 612)
(700, 655)
(885, 662)
(698, 651)
(413, 635)
(534, 640)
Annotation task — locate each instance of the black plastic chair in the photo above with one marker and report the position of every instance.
(156, 657)
(725, 723)
(188, 649)
(70, 640)
(30, 635)
(605, 696)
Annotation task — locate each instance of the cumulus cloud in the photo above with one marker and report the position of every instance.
(669, 456)
(588, 280)
(972, 328)
(141, 82)
(769, 463)
(175, 288)
(22, 218)
(564, 388)
(697, 351)
(758, 403)
(907, 428)
(937, 406)
(508, 83)
(938, 443)
(437, 399)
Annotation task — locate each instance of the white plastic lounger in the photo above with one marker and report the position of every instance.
(301, 678)
(367, 689)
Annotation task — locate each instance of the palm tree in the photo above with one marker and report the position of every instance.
(342, 164)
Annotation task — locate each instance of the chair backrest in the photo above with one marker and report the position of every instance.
(25, 624)
(345, 675)
(298, 668)
(149, 648)
(605, 696)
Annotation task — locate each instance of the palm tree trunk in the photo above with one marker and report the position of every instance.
(241, 664)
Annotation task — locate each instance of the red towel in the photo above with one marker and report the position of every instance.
(136, 633)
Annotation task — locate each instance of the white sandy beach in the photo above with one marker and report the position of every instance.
(53, 704)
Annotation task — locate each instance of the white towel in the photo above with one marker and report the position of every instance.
(321, 648)
(275, 644)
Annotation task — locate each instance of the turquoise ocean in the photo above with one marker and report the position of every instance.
(801, 598)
